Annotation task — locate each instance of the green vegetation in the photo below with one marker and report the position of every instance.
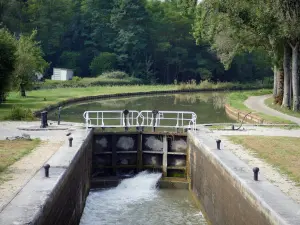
(92, 37)
(19, 113)
(270, 102)
(281, 152)
(237, 99)
(12, 151)
(234, 28)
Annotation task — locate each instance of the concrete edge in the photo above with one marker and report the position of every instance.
(274, 204)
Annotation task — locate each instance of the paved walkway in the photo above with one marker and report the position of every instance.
(257, 103)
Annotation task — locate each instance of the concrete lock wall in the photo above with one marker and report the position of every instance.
(60, 198)
(226, 190)
(67, 200)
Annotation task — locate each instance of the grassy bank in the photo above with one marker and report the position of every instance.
(12, 151)
(39, 99)
(237, 99)
(281, 152)
(269, 102)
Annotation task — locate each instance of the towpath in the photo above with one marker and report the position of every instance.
(17, 175)
(257, 103)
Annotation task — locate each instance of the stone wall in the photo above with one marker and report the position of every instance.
(224, 186)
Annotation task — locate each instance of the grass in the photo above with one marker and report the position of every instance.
(39, 99)
(237, 99)
(12, 151)
(281, 152)
(269, 102)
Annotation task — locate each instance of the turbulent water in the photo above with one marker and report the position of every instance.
(137, 201)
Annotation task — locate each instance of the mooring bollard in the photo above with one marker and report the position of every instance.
(59, 111)
(232, 127)
(70, 141)
(47, 167)
(218, 144)
(126, 112)
(44, 122)
(154, 112)
(255, 171)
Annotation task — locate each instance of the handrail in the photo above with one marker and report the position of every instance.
(140, 119)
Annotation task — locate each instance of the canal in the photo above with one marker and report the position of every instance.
(137, 200)
(209, 107)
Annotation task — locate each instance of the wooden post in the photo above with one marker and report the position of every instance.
(139, 152)
(114, 153)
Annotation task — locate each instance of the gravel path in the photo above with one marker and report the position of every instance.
(18, 174)
(257, 103)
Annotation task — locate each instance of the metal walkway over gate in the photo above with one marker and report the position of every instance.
(140, 119)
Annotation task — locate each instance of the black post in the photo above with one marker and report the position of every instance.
(154, 112)
(218, 144)
(70, 141)
(255, 171)
(232, 127)
(126, 112)
(44, 122)
(46, 167)
(59, 110)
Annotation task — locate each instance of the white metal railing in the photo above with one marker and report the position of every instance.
(145, 118)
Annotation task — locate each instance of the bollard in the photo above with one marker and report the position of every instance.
(154, 112)
(232, 127)
(218, 144)
(70, 141)
(47, 167)
(44, 122)
(126, 112)
(255, 171)
(58, 120)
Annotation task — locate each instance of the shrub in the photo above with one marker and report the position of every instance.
(115, 75)
(20, 113)
(206, 85)
(76, 79)
(106, 61)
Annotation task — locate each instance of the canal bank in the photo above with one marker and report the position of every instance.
(222, 183)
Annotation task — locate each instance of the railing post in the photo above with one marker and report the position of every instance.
(154, 113)
(126, 112)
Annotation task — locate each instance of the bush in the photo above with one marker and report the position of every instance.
(20, 113)
(76, 79)
(115, 75)
(106, 61)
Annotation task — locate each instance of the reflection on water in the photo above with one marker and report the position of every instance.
(209, 107)
(137, 201)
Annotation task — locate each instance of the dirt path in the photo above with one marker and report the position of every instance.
(257, 103)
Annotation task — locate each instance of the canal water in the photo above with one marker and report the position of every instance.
(137, 201)
(209, 107)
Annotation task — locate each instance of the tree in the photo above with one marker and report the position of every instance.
(29, 61)
(104, 62)
(7, 61)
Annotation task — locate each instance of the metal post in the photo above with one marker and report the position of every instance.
(126, 112)
(154, 113)
(255, 171)
(218, 144)
(44, 122)
(47, 167)
(59, 110)
(70, 141)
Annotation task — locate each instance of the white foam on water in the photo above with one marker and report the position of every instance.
(117, 201)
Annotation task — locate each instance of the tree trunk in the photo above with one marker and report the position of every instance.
(286, 101)
(280, 81)
(22, 89)
(295, 77)
(275, 85)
